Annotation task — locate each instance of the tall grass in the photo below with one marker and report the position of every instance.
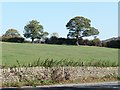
(63, 63)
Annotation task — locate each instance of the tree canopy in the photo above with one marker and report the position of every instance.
(11, 33)
(80, 27)
(55, 34)
(34, 30)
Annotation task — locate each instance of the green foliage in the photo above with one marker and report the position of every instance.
(32, 83)
(80, 27)
(112, 42)
(11, 84)
(11, 33)
(34, 30)
(90, 32)
(0, 38)
(44, 35)
(55, 34)
(96, 42)
(13, 39)
(54, 67)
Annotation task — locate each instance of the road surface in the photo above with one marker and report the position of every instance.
(85, 86)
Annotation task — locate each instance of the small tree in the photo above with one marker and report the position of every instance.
(43, 36)
(55, 34)
(96, 42)
(11, 33)
(33, 30)
(86, 42)
(80, 27)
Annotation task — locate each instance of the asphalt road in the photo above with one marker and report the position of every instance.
(86, 86)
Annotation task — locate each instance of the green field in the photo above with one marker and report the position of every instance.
(27, 52)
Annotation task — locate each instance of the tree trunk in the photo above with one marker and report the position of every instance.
(39, 41)
(77, 41)
(32, 40)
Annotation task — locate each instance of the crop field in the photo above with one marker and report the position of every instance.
(27, 53)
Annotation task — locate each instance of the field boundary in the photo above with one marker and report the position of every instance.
(51, 75)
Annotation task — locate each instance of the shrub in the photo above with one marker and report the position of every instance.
(13, 39)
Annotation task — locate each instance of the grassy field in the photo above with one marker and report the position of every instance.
(26, 53)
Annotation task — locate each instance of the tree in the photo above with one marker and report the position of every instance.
(11, 33)
(55, 34)
(85, 42)
(96, 42)
(80, 27)
(33, 30)
(42, 36)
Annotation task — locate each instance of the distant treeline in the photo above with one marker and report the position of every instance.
(13, 39)
(112, 43)
(69, 41)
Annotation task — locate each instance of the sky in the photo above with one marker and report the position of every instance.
(55, 15)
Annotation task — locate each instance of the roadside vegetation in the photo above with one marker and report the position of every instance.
(35, 83)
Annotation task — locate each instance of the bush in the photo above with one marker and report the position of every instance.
(114, 44)
(13, 39)
(0, 38)
(61, 41)
(96, 42)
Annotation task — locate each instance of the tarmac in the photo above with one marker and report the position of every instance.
(82, 86)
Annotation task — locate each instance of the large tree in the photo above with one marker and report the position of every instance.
(34, 30)
(80, 27)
